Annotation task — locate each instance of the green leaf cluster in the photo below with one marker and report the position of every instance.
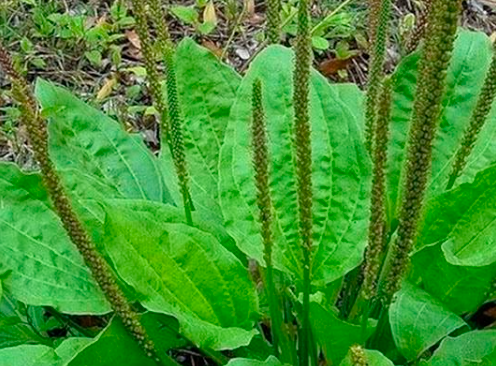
(196, 285)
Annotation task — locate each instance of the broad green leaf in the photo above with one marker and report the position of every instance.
(466, 73)
(460, 289)
(335, 335)
(476, 348)
(340, 173)
(207, 90)
(353, 100)
(374, 358)
(418, 321)
(270, 361)
(44, 268)
(459, 226)
(114, 346)
(464, 220)
(184, 272)
(29, 355)
(170, 214)
(472, 242)
(84, 139)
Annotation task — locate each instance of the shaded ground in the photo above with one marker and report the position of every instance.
(92, 48)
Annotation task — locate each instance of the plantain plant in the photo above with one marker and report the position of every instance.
(285, 220)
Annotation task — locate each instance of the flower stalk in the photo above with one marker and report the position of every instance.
(435, 59)
(149, 56)
(303, 148)
(38, 135)
(378, 55)
(273, 21)
(477, 121)
(264, 202)
(171, 118)
(377, 227)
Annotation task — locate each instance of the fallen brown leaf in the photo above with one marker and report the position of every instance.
(212, 46)
(133, 38)
(332, 66)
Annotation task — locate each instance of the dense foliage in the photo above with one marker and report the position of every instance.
(199, 281)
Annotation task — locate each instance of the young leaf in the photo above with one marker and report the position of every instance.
(335, 335)
(184, 272)
(470, 60)
(187, 14)
(340, 176)
(43, 266)
(207, 90)
(418, 321)
(84, 139)
(473, 348)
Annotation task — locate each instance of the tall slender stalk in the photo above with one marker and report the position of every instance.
(264, 202)
(273, 21)
(378, 55)
(436, 54)
(38, 135)
(303, 148)
(149, 56)
(477, 121)
(171, 118)
(377, 227)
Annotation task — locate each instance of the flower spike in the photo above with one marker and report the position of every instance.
(273, 21)
(436, 54)
(171, 119)
(38, 135)
(378, 198)
(378, 54)
(303, 149)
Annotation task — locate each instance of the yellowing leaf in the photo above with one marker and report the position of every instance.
(106, 89)
(209, 13)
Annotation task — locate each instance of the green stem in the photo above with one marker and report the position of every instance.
(365, 321)
(305, 331)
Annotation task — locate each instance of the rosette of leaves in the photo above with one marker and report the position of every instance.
(194, 281)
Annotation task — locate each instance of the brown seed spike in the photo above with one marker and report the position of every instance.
(38, 136)
(438, 46)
